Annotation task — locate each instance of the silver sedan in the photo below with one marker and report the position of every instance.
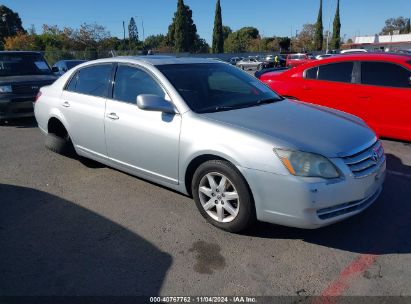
(211, 131)
(250, 63)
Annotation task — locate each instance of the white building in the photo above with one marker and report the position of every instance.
(385, 43)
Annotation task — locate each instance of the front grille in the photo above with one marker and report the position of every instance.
(28, 88)
(23, 99)
(330, 212)
(367, 161)
(25, 88)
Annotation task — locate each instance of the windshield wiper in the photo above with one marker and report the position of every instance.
(268, 100)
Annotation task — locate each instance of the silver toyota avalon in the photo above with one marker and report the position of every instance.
(211, 131)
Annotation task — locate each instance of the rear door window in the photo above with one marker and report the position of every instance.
(385, 74)
(93, 80)
(339, 72)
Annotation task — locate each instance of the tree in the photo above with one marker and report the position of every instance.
(285, 43)
(11, 25)
(408, 27)
(201, 46)
(182, 32)
(336, 38)
(319, 37)
(20, 42)
(395, 24)
(218, 36)
(305, 39)
(242, 40)
(226, 31)
(132, 31)
(154, 42)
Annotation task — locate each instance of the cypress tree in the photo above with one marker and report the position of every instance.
(218, 37)
(180, 28)
(132, 31)
(336, 39)
(318, 37)
(182, 32)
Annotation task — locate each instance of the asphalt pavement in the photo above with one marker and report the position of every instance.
(75, 227)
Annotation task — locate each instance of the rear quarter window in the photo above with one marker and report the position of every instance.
(311, 73)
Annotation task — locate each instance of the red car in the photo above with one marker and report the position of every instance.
(374, 87)
(294, 60)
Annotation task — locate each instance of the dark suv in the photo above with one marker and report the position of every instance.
(22, 74)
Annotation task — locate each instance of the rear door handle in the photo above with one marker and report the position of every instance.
(306, 88)
(365, 97)
(66, 104)
(113, 116)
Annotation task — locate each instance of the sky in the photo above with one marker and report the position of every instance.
(271, 17)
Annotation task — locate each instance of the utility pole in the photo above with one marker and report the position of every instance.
(142, 26)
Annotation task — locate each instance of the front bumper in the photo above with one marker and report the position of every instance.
(17, 106)
(312, 202)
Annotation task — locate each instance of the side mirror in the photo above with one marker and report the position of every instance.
(156, 103)
(55, 69)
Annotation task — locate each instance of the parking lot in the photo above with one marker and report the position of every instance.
(74, 227)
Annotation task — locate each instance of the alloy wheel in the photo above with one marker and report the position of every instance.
(219, 197)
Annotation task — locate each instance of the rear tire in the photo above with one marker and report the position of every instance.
(232, 196)
(59, 145)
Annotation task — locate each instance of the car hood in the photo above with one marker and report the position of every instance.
(27, 79)
(306, 127)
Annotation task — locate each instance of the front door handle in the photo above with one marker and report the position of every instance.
(66, 104)
(112, 116)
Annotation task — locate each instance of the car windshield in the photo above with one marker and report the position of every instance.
(16, 64)
(208, 87)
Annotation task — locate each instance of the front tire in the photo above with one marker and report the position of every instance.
(222, 196)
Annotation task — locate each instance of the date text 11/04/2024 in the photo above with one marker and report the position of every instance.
(203, 300)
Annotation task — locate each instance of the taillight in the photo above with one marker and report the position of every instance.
(37, 96)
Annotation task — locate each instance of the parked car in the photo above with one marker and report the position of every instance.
(250, 63)
(351, 51)
(234, 60)
(294, 60)
(375, 87)
(323, 56)
(407, 52)
(62, 66)
(210, 130)
(217, 59)
(21, 76)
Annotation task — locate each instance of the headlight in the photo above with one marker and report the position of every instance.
(6, 89)
(307, 164)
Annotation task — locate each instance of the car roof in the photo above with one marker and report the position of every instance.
(158, 60)
(400, 58)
